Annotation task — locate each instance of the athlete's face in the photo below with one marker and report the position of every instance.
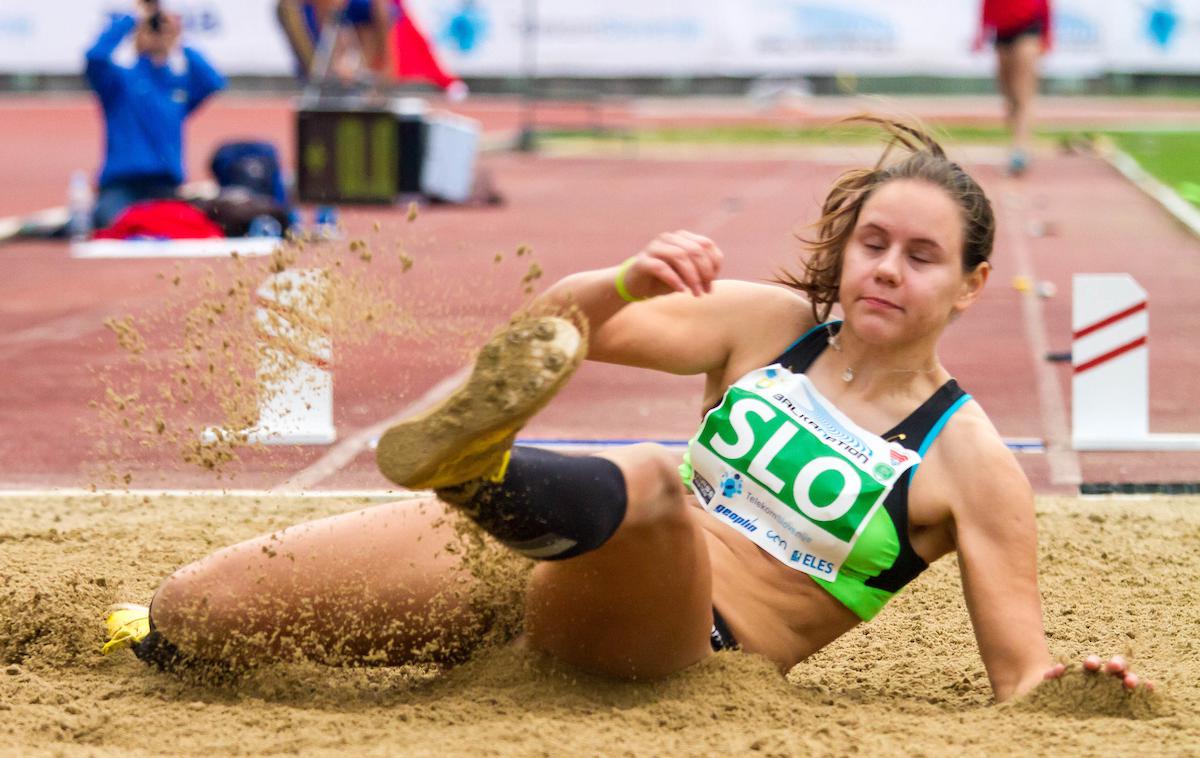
(902, 268)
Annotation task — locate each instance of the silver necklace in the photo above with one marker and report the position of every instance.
(848, 375)
(836, 343)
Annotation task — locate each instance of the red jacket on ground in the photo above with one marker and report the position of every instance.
(161, 219)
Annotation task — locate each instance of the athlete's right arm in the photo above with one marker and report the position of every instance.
(100, 70)
(684, 321)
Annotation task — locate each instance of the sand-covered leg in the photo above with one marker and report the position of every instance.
(394, 583)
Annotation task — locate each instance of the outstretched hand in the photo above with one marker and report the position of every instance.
(1115, 666)
(679, 261)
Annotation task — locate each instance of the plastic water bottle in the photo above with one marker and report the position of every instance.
(265, 226)
(79, 206)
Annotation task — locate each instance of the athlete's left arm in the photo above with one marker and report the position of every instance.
(995, 535)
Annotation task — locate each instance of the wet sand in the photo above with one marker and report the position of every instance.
(1117, 576)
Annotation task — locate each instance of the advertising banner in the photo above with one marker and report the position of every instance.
(615, 38)
(1154, 36)
(238, 36)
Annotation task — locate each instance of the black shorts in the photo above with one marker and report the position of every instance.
(720, 637)
(1033, 28)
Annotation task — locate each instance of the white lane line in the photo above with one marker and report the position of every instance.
(712, 221)
(66, 328)
(64, 492)
(1062, 458)
(11, 226)
(1030, 445)
(341, 454)
(63, 329)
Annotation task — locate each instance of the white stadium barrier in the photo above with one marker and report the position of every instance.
(1110, 388)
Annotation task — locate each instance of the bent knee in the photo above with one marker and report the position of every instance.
(653, 485)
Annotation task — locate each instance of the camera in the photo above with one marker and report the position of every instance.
(155, 18)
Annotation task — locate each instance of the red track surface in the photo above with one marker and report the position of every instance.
(575, 213)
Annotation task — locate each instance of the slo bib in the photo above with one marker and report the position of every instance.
(779, 463)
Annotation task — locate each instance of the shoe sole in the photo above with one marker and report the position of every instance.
(516, 373)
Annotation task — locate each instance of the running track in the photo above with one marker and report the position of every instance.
(578, 212)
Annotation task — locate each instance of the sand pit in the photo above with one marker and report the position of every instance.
(1117, 576)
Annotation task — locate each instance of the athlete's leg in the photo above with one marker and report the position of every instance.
(1004, 80)
(1026, 53)
(390, 583)
(640, 605)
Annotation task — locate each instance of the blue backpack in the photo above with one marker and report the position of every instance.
(251, 165)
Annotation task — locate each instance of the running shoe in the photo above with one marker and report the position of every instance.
(1018, 163)
(468, 436)
(127, 625)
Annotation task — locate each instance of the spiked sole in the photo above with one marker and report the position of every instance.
(466, 436)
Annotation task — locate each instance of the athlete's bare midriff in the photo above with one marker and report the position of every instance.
(772, 610)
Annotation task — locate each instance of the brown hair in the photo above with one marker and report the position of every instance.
(925, 161)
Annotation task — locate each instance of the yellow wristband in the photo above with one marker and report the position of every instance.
(619, 281)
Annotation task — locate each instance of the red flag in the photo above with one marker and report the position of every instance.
(414, 55)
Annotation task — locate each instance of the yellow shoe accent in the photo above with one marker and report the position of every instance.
(127, 625)
(498, 475)
(469, 434)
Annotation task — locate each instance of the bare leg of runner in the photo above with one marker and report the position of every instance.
(1017, 74)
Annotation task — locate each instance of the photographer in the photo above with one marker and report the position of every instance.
(144, 107)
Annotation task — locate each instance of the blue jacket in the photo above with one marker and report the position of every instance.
(145, 106)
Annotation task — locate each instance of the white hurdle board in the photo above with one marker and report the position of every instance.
(1110, 387)
(214, 247)
(295, 365)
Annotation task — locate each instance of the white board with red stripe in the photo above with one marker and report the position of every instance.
(1110, 348)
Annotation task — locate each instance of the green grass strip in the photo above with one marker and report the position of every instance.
(1173, 157)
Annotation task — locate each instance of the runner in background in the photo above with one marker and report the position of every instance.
(145, 106)
(391, 46)
(1020, 30)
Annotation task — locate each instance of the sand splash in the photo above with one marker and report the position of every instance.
(908, 683)
(234, 332)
